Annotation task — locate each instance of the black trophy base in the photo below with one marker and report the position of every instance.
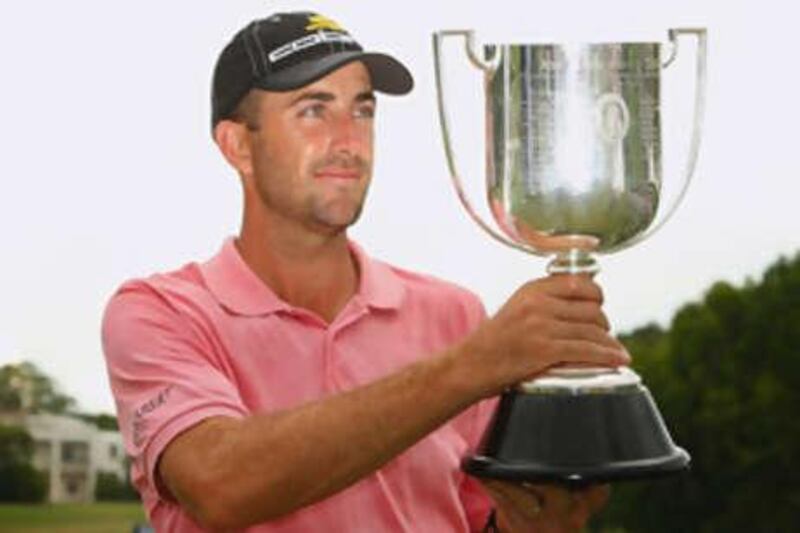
(577, 439)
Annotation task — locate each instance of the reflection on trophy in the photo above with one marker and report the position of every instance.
(573, 170)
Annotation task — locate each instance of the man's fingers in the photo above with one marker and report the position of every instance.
(572, 506)
(586, 502)
(592, 353)
(586, 312)
(571, 287)
(519, 505)
(579, 513)
(597, 496)
(546, 507)
(556, 499)
(579, 331)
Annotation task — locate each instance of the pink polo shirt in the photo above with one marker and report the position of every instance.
(211, 339)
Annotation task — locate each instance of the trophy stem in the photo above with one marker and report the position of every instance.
(573, 262)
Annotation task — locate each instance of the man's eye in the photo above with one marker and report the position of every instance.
(312, 111)
(365, 112)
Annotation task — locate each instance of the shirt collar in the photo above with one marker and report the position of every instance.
(237, 288)
(379, 286)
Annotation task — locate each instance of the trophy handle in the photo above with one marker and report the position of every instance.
(487, 66)
(697, 126)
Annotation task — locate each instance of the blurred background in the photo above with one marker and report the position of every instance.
(108, 172)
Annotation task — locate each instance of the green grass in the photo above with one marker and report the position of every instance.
(71, 518)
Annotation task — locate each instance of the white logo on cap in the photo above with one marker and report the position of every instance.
(308, 41)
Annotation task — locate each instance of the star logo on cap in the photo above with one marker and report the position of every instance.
(319, 22)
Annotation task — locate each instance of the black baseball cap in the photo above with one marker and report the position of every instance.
(287, 51)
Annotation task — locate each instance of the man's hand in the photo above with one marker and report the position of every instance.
(548, 322)
(523, 507)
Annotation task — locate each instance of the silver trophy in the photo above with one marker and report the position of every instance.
(573, 160)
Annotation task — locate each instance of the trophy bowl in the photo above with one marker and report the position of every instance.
(573, 159)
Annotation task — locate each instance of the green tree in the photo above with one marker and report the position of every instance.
(24, 387)
(19, 480)
(726, 376)
(110, 488)
(103, 421)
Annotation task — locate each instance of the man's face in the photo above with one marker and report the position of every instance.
(312, 151)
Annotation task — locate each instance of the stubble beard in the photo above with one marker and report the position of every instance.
(327, 213)
(324, 216)
(316, 212)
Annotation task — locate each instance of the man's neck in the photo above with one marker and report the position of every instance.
(312, 272)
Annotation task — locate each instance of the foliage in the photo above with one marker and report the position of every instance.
(726, 376)
(103, 421)
(19, 480)
(110, 488)
(16, 445)
(24, 387)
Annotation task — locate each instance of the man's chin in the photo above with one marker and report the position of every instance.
(337, 224)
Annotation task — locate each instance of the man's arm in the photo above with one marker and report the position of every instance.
(231, 473)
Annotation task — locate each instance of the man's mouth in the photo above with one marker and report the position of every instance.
(338, 173)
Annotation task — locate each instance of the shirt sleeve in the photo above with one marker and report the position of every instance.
(164, 375)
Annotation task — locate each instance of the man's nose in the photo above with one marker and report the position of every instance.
(349, 134)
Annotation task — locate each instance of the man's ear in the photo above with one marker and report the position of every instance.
(233, 139)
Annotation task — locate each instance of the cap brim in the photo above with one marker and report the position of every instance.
(387, 74)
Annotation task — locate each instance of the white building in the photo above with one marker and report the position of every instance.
(72, 453)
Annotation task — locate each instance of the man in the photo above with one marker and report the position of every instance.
(291, 383)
